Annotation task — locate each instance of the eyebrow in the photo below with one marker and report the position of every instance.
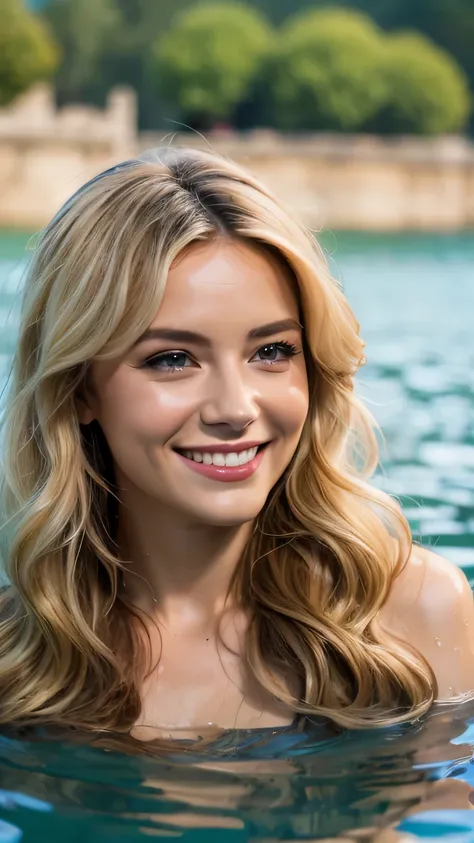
(180, 335)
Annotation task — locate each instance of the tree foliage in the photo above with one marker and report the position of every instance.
(88, 31)
(209, 57)
(450, 23)
(327, 72)
(327, 67)
(428, 91)
(28, 53)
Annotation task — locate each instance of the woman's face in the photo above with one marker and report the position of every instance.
(205, 412)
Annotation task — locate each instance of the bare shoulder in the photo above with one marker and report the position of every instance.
(431, 582)
(431, 606)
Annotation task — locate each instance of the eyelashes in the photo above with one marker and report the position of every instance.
(286, 348)
(177, 360)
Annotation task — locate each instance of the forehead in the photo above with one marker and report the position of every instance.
(227, 275)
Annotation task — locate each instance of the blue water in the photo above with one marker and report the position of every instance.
(414, 297)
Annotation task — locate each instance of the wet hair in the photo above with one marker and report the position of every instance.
(326, 546)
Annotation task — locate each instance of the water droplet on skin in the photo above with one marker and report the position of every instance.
(438, 642)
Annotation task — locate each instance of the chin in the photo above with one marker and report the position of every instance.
(228, 516)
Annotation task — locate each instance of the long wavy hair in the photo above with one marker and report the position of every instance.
(327, 545)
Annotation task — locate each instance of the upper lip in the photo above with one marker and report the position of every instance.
(222, 448)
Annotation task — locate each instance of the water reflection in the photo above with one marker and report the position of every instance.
(256, 785)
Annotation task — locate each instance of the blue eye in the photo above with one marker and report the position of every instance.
(168, 361)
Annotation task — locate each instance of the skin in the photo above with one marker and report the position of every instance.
(185, 532)
(431, 607)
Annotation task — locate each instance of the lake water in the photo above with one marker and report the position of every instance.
(414, 297)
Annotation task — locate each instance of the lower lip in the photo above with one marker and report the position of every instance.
(225, 473)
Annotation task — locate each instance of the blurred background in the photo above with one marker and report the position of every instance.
(358, 115)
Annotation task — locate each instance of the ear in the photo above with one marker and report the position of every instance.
(83, 401)
(84, 412)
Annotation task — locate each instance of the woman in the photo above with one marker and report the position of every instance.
(188, 529)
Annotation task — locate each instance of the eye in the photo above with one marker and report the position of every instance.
(169, 361)
(276, 352)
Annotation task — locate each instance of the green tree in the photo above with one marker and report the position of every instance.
(327, 71)
(28, 53)
(208, 59)
(428, 91)
(450, 23)
(132, 62)
(89, 34)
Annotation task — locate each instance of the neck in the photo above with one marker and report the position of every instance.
(179, 572)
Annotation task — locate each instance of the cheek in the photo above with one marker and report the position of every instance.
(291, 403)
(295, 410)
(143, 411)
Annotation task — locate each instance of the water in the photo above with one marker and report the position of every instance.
(414, 297)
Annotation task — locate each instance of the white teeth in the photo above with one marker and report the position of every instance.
(247, 456)
(231, 460)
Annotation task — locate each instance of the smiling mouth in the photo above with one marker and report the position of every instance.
(223, 466)
(221, 459)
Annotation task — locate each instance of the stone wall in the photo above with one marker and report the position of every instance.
(334, 181)
(46, 153)
(358, 181)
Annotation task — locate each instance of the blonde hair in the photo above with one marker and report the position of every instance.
(327, 545)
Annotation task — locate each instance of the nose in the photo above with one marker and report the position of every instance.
(229, 400)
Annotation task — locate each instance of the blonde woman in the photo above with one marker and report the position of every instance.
(187, 531)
